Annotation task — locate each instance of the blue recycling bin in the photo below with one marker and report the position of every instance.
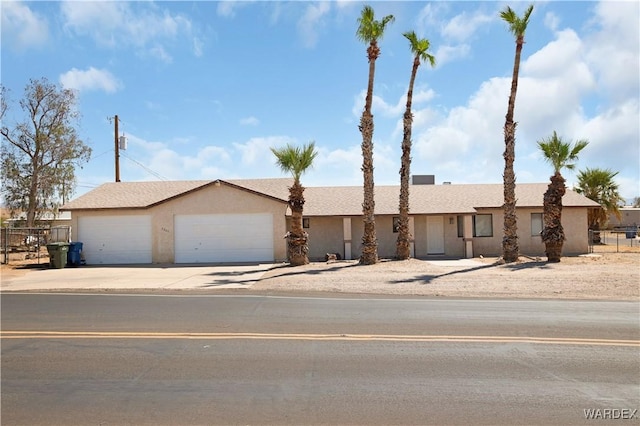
(74, 254)
(631, 232)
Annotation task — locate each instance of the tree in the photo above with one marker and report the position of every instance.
(369, 31)
(296, 160)
(636, 202)
(517, 26)
(599, 185)
(561, 155)
(419, 48)
(39, 160)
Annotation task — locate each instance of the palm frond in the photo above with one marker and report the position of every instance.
(369, 29)
(294, 159)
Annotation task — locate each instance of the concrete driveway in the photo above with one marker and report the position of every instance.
(124, 277)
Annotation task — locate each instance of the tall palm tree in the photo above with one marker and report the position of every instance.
(419, 48)
(599, 185)
(561, 155)
(296, 160)
(517, 26)
(369, 31)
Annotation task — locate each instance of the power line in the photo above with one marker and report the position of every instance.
(148, 170)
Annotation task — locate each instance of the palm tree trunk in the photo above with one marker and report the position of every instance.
(369, 241)
(510, 249)
(553, 233)
(403, 248)
(510, 240)
(297, 238)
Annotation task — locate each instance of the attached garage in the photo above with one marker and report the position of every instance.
(211, 238)
(115, 239)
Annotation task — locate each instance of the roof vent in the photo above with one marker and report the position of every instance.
(446, 183)
(423, 179)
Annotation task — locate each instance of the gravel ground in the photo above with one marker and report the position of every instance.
(613, 276)
(604, 275)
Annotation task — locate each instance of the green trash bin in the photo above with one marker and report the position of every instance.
(58, 254)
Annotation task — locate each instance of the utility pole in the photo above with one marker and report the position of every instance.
(117, 150)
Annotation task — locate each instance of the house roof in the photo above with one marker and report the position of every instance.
(140, 195)
(429, 199)
(328, 201)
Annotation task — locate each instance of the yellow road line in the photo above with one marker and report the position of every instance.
(323, 337)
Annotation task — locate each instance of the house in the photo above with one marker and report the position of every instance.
(45, 220)
(246, 220)
(629, 216)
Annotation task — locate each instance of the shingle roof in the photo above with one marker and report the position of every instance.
(429, 199)
(138, 195)
(328, 201)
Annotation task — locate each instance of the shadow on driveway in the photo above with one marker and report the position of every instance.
(429, 278)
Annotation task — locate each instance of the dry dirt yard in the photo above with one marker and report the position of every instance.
(612, 276)
(604, 275)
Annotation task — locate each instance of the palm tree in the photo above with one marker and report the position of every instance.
(419, 48)
(599, 185)
(517, 26)
(296, 160)
(369, 31)
(561, 155)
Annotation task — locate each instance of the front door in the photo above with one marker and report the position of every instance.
(435, 235)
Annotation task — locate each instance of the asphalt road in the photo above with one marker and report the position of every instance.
(143, 359)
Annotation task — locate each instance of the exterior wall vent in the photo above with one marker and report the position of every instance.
(423, 179)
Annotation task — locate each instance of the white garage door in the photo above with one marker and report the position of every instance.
(115, 239)
(224, 238)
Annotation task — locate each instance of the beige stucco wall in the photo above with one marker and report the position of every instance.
(326, 235)
(574, 222)
(211, 200)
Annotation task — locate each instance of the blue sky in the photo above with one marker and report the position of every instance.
(203, 89)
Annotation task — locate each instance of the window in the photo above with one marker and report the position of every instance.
(305, 222)
(460, 226)
(396, 224)
(536, 224)
(483, 225)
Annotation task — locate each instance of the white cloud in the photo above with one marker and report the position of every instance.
(249, 121)
(311, 20)
(90, 79)
(120, 24)
(551, 21)
(256, 150)
(462, 27)
(198, 46)
(153, 160)
(227, 9)
(21, 27)
(613, 49)
(448, 53)
(159, 52)
(380, 106)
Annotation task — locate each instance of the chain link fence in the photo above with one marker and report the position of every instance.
(615, 241)
(18, 244)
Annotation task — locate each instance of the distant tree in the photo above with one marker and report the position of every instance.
(419, 48)
(561, 155)
(42, 151)
(517, 26)
(636, 202)
(296, 160)
(599, 185)
(369, 31)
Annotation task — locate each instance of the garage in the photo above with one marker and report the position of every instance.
(215, 238)
(115, 239)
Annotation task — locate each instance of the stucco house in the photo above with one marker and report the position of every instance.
(246, 220)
